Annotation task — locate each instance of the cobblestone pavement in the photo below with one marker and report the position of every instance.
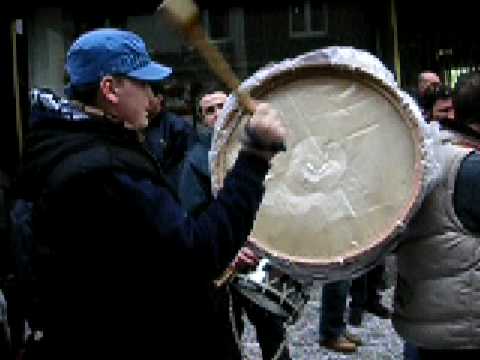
(380, 340)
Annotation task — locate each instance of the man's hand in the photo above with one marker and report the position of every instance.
(245, 260)
(266, 131)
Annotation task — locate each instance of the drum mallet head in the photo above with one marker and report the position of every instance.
(184, 15)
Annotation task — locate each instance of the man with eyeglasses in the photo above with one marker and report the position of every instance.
(269, 328)
(210, 107)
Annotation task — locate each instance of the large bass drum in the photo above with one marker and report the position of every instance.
(355, 168)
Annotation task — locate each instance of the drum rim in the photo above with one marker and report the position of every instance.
(392, 95)
(289, 307)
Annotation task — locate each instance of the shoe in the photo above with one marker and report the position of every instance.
(379, 310)
(355, 317)
(340, 344)
(354, 339)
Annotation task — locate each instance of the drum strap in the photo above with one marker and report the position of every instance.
(238, 341)
(283, 344)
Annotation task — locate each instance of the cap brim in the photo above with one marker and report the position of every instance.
(151, 72)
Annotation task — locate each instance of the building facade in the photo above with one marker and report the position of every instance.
(249, 34)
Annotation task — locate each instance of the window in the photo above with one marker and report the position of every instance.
(216, 23)
(451, 75)
(308, 18)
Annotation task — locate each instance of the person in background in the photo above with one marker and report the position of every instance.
(211, 105)
(436, 296)
(269, 327)
(428, 82)
(365, 296)
(332, 325)
(442, 106)
(168, 136)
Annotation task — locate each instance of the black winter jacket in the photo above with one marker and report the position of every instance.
(119, 268)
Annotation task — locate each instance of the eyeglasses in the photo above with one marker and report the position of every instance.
(209, 110)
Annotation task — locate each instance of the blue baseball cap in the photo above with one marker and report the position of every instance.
(103, 52)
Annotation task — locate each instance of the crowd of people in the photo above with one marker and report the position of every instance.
(128, 235)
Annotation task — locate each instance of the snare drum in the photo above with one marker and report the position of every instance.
(355, 167)
(273, 290)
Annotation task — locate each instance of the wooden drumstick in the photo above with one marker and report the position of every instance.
(184, 15)
(225, 277)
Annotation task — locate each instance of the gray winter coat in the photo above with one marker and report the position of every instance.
(437, 299)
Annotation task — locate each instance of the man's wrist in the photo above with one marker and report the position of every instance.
(264, 154)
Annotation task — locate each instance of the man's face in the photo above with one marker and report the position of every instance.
(428, 81)
(211, 105)
(157, 105)
(133, 103)
(443, 110)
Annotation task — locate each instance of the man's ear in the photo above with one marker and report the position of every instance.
(162, 102)
(109, 89)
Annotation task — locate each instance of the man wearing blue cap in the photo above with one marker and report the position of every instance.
(119, 62)
(108, 228)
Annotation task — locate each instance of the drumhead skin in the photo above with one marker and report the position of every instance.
(351, 175)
